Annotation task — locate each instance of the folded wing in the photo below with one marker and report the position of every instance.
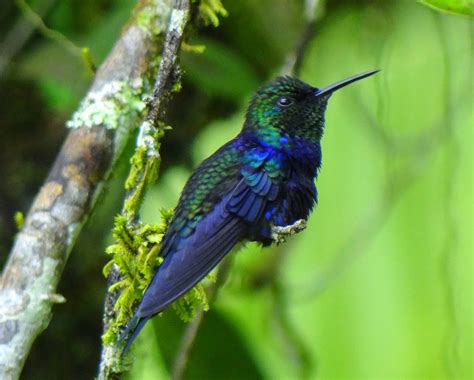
(196, 241)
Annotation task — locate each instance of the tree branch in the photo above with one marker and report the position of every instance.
(99, 130)
(111, 365)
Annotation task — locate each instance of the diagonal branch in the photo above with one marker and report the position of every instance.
(99, 130)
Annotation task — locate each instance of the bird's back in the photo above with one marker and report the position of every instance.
(197, 231)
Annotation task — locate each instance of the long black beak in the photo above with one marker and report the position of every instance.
(342, 83)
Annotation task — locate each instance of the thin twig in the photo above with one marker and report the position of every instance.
(20, 34)
(312, 12)
(190, 334)
(450, 352)
(52, 34)
(294, 346)
(185, 346)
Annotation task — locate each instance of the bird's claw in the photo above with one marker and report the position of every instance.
(281, 233)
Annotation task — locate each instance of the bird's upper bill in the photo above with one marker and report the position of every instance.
(342, 83)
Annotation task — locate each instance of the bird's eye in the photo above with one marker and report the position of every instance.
(285, 101)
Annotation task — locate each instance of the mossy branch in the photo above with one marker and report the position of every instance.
(99, 130)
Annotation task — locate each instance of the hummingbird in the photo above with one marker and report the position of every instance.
(262, 178)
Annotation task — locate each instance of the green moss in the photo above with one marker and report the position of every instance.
(143, 171)
(176, 87)
(19, 219)
(144, 167)
(137, 165)
(135, 253)
(187, 306)
(198, 49)
(152, 16)
(210, 10)
(88, 61)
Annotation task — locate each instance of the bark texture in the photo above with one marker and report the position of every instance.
(112, 108)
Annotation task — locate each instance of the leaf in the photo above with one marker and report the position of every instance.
(462, 7)
(220, 71)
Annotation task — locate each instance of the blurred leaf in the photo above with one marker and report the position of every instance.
(151, 365)
(220, 71)
(463, 7)
(59, 95)
(263, 31)
(219, 346)
(64, 77)
(67, 79)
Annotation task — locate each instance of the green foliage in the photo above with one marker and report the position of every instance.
(187, 306)
(220, 71)
(148, 18)
(463, 7)
(143, 171)
(210, 10)
(19, 218)
(135, 253)
(88, 61)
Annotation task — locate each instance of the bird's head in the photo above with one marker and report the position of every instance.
(291, 106)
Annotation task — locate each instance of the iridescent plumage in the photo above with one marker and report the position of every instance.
(264, 177)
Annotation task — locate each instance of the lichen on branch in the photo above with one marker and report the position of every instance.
(116, 103)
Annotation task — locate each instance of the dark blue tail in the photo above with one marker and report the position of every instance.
(131, 331)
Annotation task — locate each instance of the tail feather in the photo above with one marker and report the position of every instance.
(131, 331)
(188, 259)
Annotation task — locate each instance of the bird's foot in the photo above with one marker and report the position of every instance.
(281, 233)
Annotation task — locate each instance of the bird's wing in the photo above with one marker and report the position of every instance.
(201, 235)
(219, 204)
(252, 194)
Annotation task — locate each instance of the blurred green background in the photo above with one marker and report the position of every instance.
(379, 286)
